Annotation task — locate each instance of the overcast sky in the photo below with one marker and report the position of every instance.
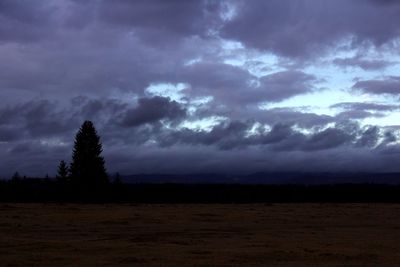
(202, 86)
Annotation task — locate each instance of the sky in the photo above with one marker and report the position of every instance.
(228, 86)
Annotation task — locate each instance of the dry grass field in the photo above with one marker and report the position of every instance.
(200, 235)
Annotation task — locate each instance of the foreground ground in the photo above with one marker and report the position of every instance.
(200, 235)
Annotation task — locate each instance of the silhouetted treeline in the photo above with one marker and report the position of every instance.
(46, 190)
(86, 181)
(277, 178)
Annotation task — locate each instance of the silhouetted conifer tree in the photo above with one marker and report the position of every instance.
(117, 179)
(87, 167)
(62, 172)
(16, 177)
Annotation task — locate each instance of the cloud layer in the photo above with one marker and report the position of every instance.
(201, 86)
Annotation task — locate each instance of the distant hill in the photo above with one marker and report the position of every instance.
(305, 178)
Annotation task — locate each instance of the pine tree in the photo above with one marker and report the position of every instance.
(16, 176)
(117, 179)
(87, 167)
(62, 172)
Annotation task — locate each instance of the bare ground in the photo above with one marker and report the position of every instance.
(200, 235)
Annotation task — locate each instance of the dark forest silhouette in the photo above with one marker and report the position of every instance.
(86, 180)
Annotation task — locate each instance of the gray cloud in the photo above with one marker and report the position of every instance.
(281, 137)
(370, 137)
(365, 64)
(9, 133)
(177, 19)
(291, 116)
(35, 119)
(24, 131)
(285, 84)
(365, 106)
(67, 61)
(23, 21)
(150, 110)
(227, 83)
(360, 110)
(389, 137)
(389, 85)
(326, 139)
(358, 114)
(282, 28)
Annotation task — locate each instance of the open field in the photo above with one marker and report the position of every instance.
(200, 235)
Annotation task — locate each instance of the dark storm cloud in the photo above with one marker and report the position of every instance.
(35, 118)
(100, 110)
(285, 84)
(358, 114)
(360, 110)
(44, 118)
(32, 158)
(307, 27)
(389, 85)
(9, 133)
(309, 120)
(154, 21)
(365, 64)
(389, 137)
(23, 148)
(288, 139)
(278, 133)
(160, 22)
(24, 21)
(63, 62)
(362, 106)
(370, 137)
(227, 83)
(150, 110)
(291, 116)
(64, 47)
(227, 136)
(250, 161)
(326, 139)
(281, 137)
